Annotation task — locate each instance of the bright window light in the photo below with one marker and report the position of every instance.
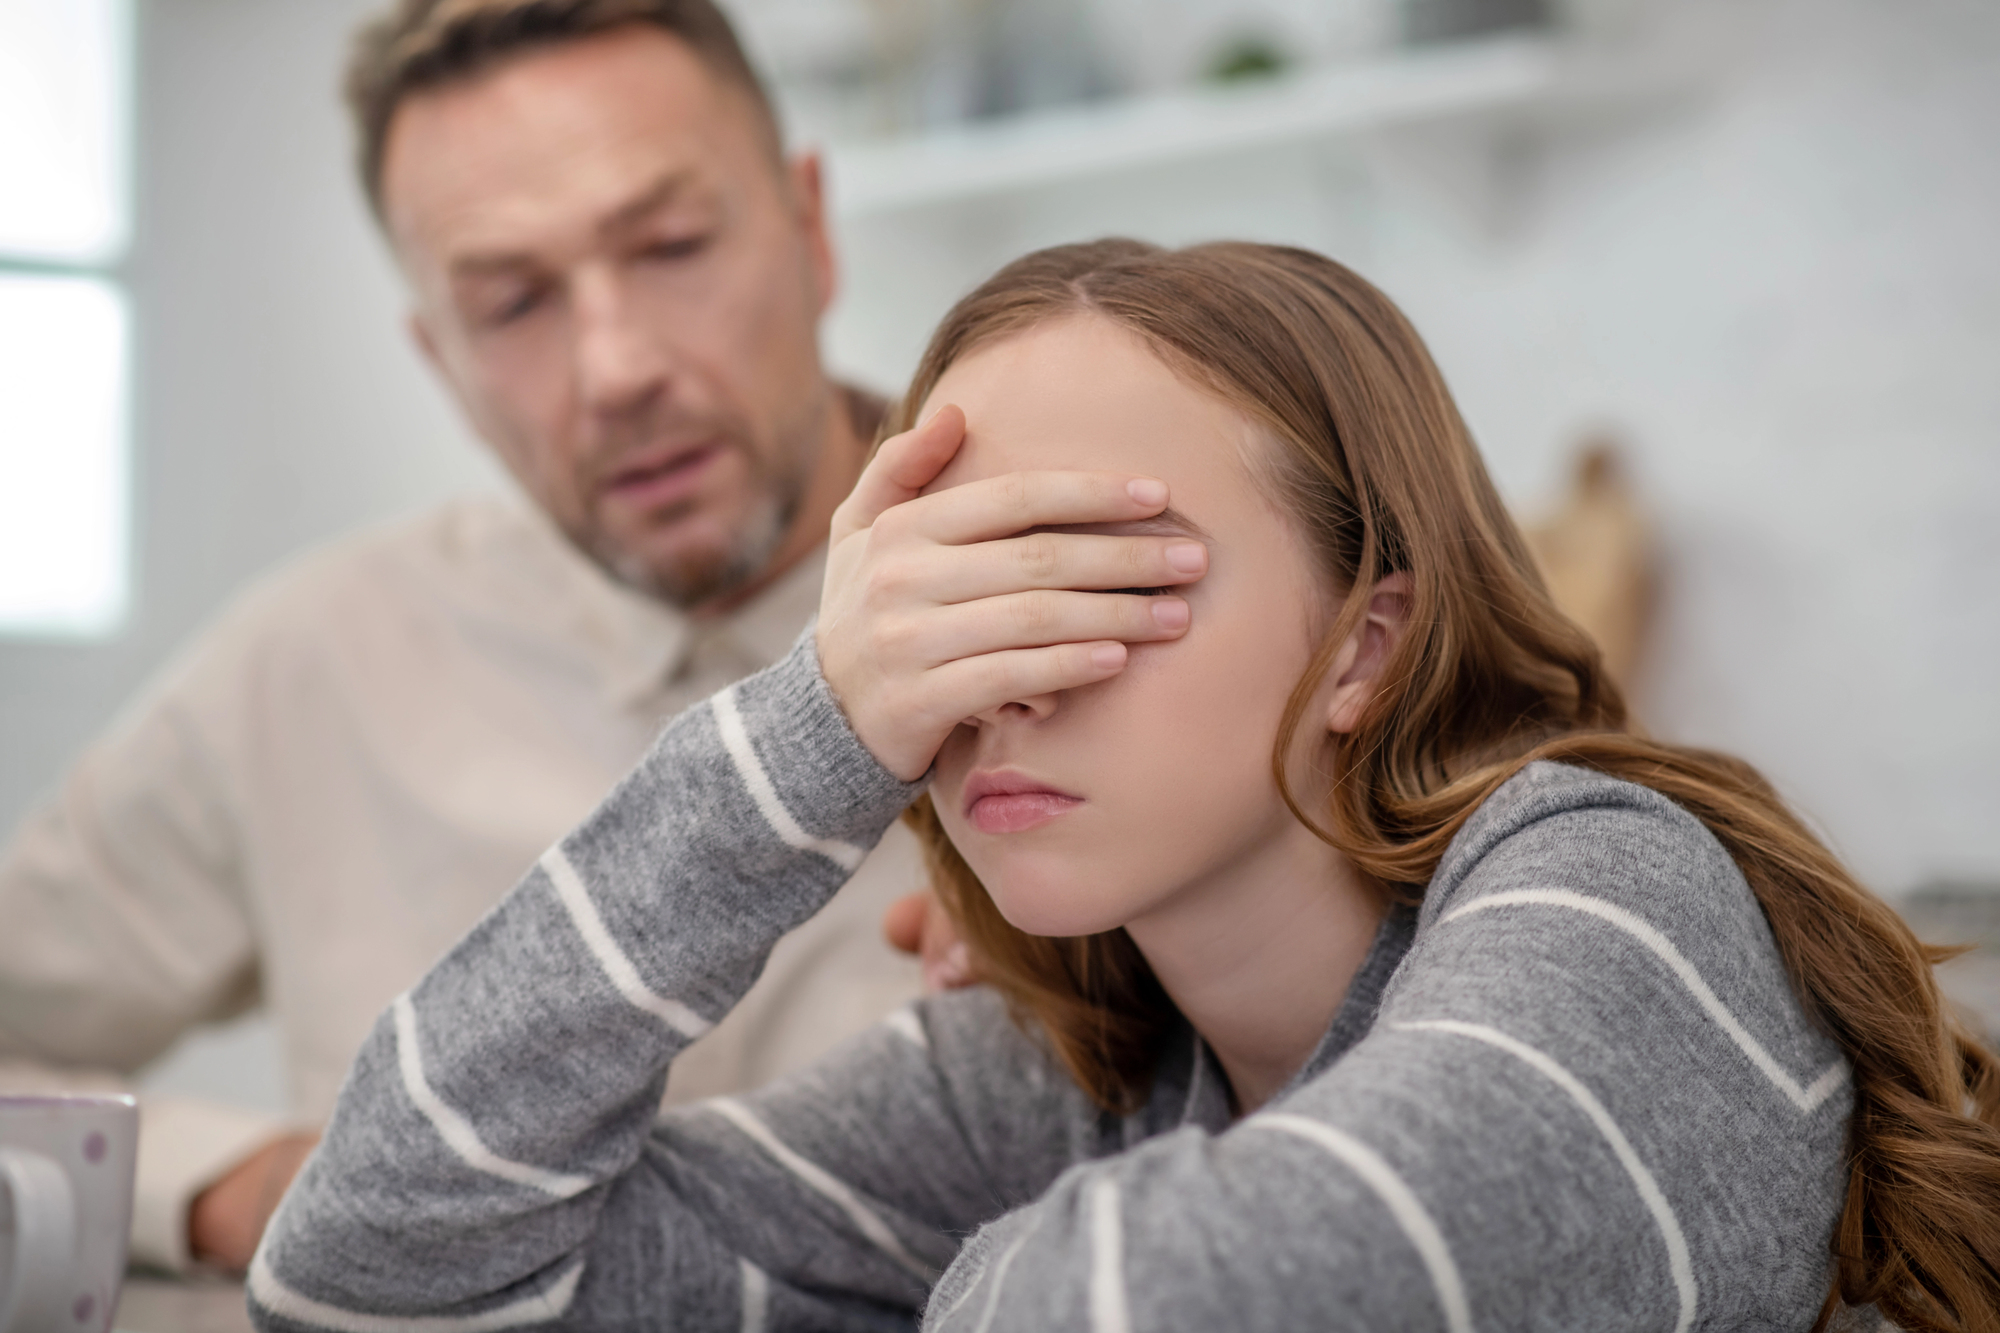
(62, 455)
(65, 81)
(62, 129)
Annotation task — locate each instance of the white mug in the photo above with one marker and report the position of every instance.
(66, 1168)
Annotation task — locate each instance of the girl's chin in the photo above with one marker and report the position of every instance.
(1059, 910)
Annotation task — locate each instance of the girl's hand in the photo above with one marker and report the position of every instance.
(934, 609)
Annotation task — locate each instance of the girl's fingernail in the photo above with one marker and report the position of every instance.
(1105, 656)
(1170, 613)
(1147, 491)
(1187, 557)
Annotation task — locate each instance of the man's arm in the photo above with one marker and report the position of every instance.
(917, 924)
(126, 925)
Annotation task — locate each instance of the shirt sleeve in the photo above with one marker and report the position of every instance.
(126, 925)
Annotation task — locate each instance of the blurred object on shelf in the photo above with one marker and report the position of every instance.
(1597, 553)
(1426, 21)
(874, 69)
(1033, 53)
(940, 62)
(1162, 46)
(1962, 912)
(1247, 58)
(849, 69)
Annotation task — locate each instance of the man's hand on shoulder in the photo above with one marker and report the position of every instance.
(918, 924)
(227, 1219)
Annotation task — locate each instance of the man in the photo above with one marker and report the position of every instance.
(619, 275)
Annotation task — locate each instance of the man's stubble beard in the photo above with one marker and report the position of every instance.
(703, 577)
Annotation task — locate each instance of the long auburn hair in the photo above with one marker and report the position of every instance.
(1381, 476)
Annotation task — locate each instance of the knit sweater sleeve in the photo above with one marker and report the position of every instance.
(493, 1162)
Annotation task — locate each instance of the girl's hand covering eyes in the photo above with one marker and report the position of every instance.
(934, 610)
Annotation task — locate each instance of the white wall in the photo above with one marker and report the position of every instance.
(1783, 284)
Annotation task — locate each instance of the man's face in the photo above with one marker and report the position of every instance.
(621, 283)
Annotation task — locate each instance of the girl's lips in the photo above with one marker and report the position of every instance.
(1013, 812)
(1011, 802)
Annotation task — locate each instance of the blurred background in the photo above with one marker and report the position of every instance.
(1750, 243)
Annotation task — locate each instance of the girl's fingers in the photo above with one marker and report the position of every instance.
(903, 466)
(971, 685)
(1036, 620)
(1059, 560)
(904, 724)
(1003, 506)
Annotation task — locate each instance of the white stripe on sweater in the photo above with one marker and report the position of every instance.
(729, 722)
(1107, 1262)
(998, 1271)
(1806, 1098)
(1678, 1261)
(597, 938)
(1194, 1083)
(1418, 1227)
(821, 1182)
(456, 1131)
(1000, 1275)
(905, 1023)
(550, 1304)
(756, 1297)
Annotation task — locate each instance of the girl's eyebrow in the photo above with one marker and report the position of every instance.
(1169, 522)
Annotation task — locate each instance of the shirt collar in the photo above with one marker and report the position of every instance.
(766, 626)
(642, 644)
(634, 642)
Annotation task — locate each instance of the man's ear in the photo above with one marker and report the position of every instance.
(1358, 666)
(434, 357)
(805, 175)
(420, 334)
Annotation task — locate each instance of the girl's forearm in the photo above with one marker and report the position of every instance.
(469, 1156)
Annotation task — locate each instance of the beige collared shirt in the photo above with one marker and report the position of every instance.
(341, 776)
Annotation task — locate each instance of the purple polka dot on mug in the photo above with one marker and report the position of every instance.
(93, 1151)
(85, 1307)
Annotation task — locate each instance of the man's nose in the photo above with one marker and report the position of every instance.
(621, 360)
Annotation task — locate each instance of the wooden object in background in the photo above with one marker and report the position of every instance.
(1596, 551)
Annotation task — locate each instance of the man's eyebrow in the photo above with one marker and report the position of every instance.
(654, 195)
(661, 191)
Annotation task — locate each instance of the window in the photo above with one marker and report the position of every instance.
(65, 82)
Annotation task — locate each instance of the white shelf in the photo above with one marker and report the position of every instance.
(1054, 146)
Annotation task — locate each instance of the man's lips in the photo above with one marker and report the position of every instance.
(662, 475)
(1009, 802)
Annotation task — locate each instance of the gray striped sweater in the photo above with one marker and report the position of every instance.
(1573, 1091)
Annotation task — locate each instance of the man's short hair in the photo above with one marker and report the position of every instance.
(421, 44)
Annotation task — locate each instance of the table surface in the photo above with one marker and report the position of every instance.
(192, 1305)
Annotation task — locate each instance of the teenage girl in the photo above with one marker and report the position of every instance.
(1352, 963)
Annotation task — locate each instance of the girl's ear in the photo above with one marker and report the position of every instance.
(1358, 666)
